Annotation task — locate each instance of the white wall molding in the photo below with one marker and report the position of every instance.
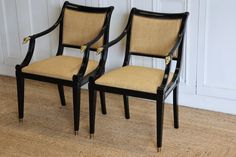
(1, 50)
(2, 32)
(205, 87)
(11, 33)
(24, 22)
(202, 42)
(103, 3)
(129, 5)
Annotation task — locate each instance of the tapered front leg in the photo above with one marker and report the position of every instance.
(76, 106)
(61, 94)
(126, 106)
(176, 107)
(20, 94)
(92, 109)
(159, 120)
(103, 102)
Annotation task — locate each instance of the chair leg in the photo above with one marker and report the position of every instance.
(76, 107)
(175, 107)
(61, 94)
(159, 120)
(126, 106)
(20, 95)
(103, 102)
(92, 110)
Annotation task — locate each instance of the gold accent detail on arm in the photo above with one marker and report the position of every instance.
(26, 40)
(167, 59)
(99, 50)
(83, 48)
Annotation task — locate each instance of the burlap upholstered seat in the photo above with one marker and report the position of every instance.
(63, 67)
(134, 78)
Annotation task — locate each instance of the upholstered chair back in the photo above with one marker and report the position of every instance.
(153, 36)
(80, 27)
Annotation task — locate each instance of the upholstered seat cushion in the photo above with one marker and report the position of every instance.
(134, 78)
(62, 67)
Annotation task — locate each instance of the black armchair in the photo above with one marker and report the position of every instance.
(81, 27)
(149, 34)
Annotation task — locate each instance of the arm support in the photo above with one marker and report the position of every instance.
(104, 30)
(32, 38)
(168, 60)
(113, 42)
(46, 31)
(93, 41)
(86, 48)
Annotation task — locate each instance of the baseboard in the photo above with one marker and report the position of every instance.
(7, 70)
(206, 103)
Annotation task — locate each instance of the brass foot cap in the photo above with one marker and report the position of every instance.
(21, 120)
(76, 133)
(158, 149)
(91, 136)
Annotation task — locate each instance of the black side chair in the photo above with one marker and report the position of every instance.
(148, 34)
(81, 27)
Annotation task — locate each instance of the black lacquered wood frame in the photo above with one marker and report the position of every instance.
(162, 91)
(79, 79)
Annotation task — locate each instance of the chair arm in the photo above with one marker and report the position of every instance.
(26, 39)
(121, 36)
(105, 47)
(29, 54)
(31, 39)
(93, 41)
(177, 43)
(113, 42)
(168, 60)
(85, 49)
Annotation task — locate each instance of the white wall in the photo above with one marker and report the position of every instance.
(208, 80)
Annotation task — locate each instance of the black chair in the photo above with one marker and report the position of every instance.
(81, 27)
(149, 34)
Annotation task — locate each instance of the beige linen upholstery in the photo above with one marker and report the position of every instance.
(81, 27)
(153, 36)
(62, 67)
(133, 77)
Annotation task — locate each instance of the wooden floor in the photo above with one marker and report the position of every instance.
(48, 128)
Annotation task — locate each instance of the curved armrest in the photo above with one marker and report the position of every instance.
(93, 41)
(168, 60)
(177, 43)
(32, 38)
(29, 54)
(85, 49)
(113, 42)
